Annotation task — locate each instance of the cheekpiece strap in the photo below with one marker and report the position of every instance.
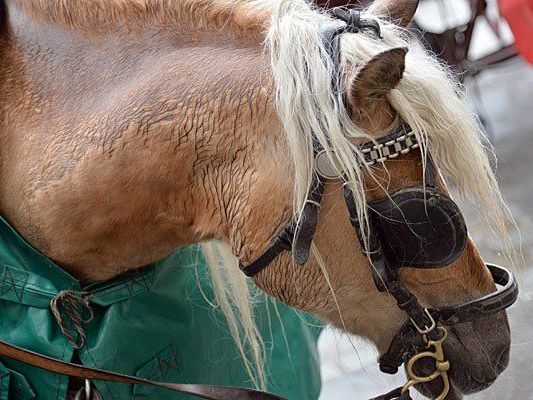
(306, 226)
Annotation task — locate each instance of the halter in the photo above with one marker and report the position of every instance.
(420, 216)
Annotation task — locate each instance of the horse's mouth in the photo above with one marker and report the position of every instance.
(474, 370)
(464, 377)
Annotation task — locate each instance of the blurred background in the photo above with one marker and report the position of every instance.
(479, 44)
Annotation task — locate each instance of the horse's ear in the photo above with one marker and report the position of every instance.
(377, 77)
(401, 12)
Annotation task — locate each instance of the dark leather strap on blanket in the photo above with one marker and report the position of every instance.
(80, 371)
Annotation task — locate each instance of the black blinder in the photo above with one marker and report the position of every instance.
(419, 227)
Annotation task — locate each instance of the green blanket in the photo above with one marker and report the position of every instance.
(156, 324)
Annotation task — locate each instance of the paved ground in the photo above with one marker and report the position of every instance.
(507, 105)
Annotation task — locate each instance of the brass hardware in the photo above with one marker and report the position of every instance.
(441, 365)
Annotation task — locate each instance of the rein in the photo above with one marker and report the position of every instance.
(88, 373)
(422, 335)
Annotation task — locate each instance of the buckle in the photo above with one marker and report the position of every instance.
(426, 329)
(88, 392)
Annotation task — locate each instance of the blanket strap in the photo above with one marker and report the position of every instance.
(79, 371)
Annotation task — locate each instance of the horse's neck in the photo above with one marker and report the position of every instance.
(117, 149)
(247, 18)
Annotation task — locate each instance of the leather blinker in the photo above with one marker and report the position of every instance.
(419, 227)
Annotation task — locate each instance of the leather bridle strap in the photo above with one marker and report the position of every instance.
(296, 236)
(395, 394)
(486, 305)
(80, 371)
(282, 242)
(201, 391)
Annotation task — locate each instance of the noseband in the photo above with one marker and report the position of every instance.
(416, 227)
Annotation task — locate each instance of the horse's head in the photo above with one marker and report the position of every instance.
(381, 79)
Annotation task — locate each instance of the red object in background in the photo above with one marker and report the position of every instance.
(519, 15)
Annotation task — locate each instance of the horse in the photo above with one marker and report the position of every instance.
(131, 128)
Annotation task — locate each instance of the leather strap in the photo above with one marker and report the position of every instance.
(80, 371)
(395, 394)
(305, 229)
(202, 391)
(487, 305)
(282, 242)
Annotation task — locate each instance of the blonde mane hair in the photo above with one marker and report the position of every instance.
(427, 98)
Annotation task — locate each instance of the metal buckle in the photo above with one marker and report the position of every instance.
(323, 166)
(441, 366)
(87, 392)
(426, 329)
(88, 389)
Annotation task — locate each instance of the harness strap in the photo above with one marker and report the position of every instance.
(65, 368)
(395, 394)
(209, 392)
(297, 234)
(306, 226)
(282, 242)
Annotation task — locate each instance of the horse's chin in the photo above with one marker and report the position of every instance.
(474, 365)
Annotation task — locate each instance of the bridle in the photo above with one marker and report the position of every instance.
(417, 227)
(421, 215)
